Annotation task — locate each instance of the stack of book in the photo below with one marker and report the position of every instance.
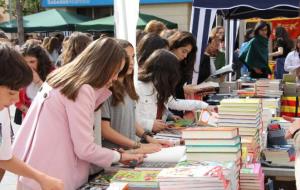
(170, 134)
(272, 103)
(196, 176)
(280, 155)
(212, 143)
(266, 120)
(251, 177)
(245, 114)
(216, 144)
(228, 87)
(246, 88)
(230, 170)
(268, 88)
(137, 179)
(284, 124)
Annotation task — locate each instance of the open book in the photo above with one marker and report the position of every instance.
(205, 86)
(170, 154)
(224, 70)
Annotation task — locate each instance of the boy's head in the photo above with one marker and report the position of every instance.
(14, 74)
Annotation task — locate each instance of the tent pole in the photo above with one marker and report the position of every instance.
(227, 44)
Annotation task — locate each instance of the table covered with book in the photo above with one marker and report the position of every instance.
(231, 152)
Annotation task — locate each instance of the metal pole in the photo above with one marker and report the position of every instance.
(10, 10)
(227, 48)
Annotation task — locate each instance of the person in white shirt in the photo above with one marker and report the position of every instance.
(292, 61)
(156, 89)
(15, 74)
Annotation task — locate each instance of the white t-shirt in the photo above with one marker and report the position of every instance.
(5, 135)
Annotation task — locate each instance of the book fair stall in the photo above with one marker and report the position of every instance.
(239, 135)
(243, 148)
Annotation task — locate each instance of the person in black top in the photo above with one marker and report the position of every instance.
(183, 45)
(283, 45)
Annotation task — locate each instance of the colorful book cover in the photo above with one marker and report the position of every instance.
(135, 176)
(251, 169)
(191, 172)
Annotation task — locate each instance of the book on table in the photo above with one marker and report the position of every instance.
(232, 141)
(206, 177)
(216, 156)
(137, 178)
(209, 133)
(213, 148)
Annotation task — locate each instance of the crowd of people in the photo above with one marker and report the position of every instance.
(65, 88)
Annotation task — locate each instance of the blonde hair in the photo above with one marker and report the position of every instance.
(155, 26)
(94, 66)
(214, 31)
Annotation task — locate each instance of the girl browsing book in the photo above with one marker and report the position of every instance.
(156, 89)
(14, 75)
(57, 134)
(119, 126)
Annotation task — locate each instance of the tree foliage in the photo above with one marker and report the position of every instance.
(29, 6)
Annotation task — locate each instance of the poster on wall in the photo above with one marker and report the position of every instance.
(292, 26)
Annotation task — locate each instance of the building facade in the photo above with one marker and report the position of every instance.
(178, 11)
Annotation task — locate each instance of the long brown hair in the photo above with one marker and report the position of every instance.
(118, 89)
(162, 69)
(44, 66)
(147, 45)
(52, 45)
(76, 43)
(94, 66)
(181, 39)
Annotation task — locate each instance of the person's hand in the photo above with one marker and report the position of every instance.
(175, 117)
(50, 183)
(148, 148)
(258, 71)
(159, 125)
(292, 129)
(211, 108)
(163, 143)
(127, 157)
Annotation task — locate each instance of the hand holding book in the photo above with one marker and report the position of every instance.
(295, 127)
(126, 158)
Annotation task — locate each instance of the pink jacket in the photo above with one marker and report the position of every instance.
(57, 138)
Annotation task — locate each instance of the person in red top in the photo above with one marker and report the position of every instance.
(38, 60)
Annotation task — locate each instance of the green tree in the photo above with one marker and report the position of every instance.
(29, 6)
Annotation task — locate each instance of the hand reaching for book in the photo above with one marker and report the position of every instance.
(294, 128)
(159, 125)
(149, 148)
(127, 157)
(164, 143)
(211, 108)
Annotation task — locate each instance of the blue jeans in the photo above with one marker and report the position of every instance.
(244, 70)
(279, 69)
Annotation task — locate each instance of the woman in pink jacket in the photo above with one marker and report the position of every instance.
(57, 133)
